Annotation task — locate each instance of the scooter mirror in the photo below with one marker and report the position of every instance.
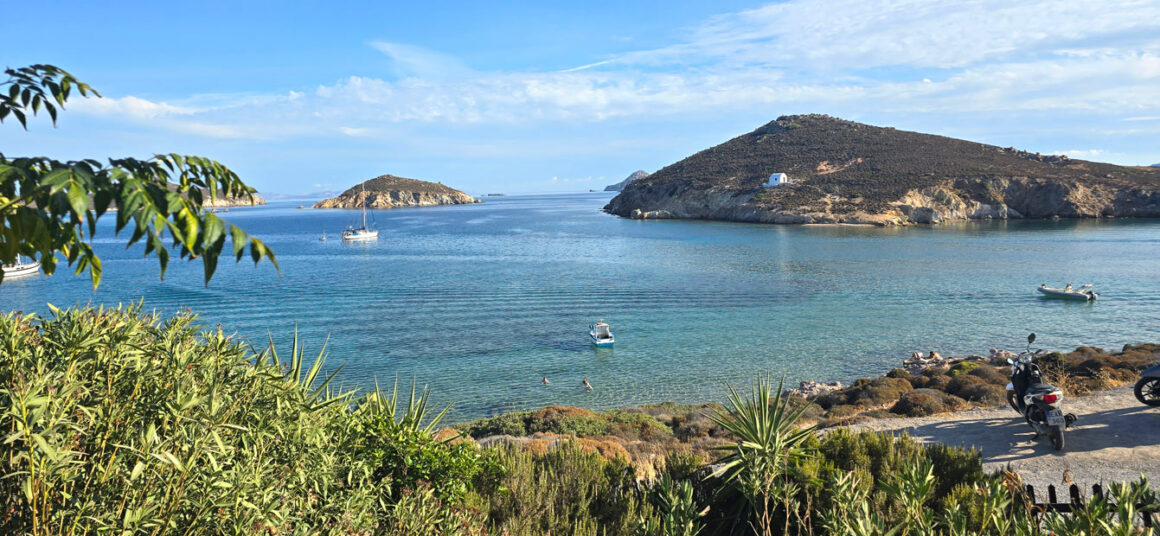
(1031, 338)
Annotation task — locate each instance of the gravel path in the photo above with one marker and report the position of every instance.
(1115, 439)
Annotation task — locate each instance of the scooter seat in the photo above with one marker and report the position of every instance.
(1040, 388)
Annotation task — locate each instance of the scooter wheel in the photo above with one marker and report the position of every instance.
(1012, 400)
(1056, 435)
(1148, 391)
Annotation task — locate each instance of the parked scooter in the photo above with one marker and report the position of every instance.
(1148, 387)
(1039, 403)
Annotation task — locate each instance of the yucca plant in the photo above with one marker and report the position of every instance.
(768, 439)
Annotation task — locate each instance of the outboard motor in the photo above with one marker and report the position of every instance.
(1041, 404)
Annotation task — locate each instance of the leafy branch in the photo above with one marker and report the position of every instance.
(49, 207)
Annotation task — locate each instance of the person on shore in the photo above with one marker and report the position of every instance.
(934, 355)
(587, 386)
(545, 381)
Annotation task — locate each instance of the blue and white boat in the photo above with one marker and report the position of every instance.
(1084, 292)
(362, 233)
(601, 334)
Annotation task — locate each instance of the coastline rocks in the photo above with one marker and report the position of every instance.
(389, 191)
(220, 202)
(810, 389)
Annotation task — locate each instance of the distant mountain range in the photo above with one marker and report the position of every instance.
(846, 172)
(636, 175)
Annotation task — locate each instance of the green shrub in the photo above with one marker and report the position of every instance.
(405, 459)
(419, 512)
(841, 412)
(513, 424)
(879, 391)
(899, 373)
(564, 491)
(963, 367)
(987, 394)
(991, 374)
(962, 382)
(116, 421)
(920, 403)
(866, 392)
(635, 426)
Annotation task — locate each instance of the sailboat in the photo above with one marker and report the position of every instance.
(20, 268)
(362, 233)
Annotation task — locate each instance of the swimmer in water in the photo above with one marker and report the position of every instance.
(545, 381)
(587, 386)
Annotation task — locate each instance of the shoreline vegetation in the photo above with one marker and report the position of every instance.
(116, 420)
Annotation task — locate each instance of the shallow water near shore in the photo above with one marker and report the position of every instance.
(482, 301)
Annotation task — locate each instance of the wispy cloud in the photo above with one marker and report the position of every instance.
(410, 61)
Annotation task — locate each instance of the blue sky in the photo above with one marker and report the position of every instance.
(306, 96)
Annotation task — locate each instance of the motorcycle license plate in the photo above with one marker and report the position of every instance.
(1055, 417)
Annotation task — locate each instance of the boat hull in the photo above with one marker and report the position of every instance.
(360, 235)
(19, 270)
(602, 343)
(1067, 295)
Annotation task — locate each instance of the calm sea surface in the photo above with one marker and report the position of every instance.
(480, 302)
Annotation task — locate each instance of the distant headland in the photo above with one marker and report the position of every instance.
(635, 176)
(389, 191)
(819, 169)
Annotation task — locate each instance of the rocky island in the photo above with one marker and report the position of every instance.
(389, 191)
(220, 202)
(838, 171)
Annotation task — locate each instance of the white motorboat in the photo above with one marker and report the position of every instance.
(601, 334)
(1084, 292)
(362, 233)
(20, 268)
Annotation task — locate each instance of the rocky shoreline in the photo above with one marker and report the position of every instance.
(918, 388)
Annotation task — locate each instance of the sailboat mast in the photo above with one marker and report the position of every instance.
(364, 189)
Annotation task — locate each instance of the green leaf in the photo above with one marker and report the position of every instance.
(78, 198)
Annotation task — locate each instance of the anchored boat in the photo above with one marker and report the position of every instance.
(362, 233)
(20, 268)
(601, 334)
(1083, 293)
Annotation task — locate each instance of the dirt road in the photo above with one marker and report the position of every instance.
(1115, 439)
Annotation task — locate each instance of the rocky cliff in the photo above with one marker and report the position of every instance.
(231, 201)
(847, 172)
(389, 191)
(636, 175)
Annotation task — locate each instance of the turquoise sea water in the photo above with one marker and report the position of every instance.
(480, 302)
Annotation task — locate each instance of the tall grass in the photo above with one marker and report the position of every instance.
(119, 422)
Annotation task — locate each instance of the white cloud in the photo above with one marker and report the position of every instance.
(854, 34)
(410, 61)
(130, 107)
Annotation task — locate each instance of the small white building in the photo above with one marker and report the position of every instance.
(777, 179)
